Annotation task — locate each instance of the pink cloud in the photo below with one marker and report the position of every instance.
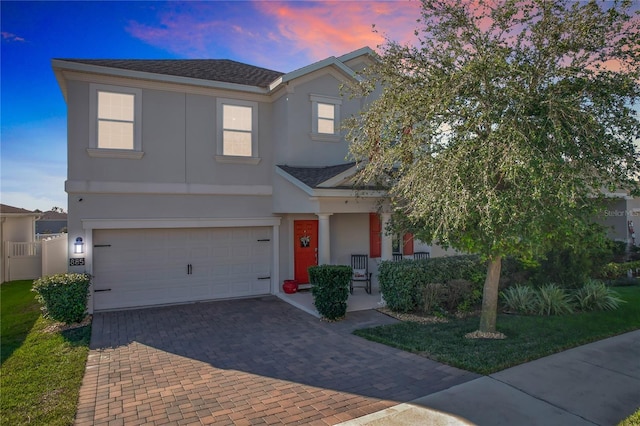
(10, 37)
(282, 35)
(331, 28)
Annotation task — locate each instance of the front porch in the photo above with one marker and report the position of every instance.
(358, 301)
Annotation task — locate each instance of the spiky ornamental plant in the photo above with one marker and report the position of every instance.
(497, 130)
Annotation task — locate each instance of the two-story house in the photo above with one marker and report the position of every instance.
(207, 179)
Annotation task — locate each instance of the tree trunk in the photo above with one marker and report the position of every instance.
(490, 296)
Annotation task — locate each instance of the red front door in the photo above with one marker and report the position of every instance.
(305, 251)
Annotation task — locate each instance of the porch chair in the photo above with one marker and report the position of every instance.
(361, 274)
(421, 255)
(397, 257)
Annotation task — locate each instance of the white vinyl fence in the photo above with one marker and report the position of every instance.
(28, 261)
(24, 261)
(54, 254)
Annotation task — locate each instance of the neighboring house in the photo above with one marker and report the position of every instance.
(622, 218)
(19, 246)
(206, 179)
(51, 222)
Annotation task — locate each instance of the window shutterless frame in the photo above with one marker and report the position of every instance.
(237, 131)
(325, 118)
(115, 127)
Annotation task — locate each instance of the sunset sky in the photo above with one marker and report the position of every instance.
(280, 35)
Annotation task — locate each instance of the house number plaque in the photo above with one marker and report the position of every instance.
(76, 261)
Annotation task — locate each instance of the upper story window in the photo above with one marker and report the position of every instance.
(115, 129)
(237, 131)
(325, 118)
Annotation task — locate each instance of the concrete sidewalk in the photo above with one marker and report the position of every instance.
(598, 383)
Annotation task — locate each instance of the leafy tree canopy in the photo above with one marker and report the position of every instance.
(498, 128)
(505, 121)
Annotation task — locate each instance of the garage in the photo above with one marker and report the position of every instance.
(145, 267)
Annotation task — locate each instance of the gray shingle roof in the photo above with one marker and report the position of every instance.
(223, 70)
(13, 210)
(314, 176)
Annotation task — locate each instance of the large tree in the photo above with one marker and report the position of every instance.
(500, 126)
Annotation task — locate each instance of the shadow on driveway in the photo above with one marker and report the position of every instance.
(247, 360)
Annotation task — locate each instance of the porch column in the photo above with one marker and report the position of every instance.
(324, 239)
(387, 239)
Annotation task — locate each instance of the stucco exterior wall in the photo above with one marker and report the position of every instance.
(296, 147)
(350, 236)
(179, 138)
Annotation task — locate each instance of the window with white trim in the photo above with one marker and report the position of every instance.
(325, 120)
(237, 131)
(115, 128)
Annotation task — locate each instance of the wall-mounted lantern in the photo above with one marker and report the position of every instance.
(78, 246)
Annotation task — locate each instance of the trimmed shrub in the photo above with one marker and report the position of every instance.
(613, 271)
(63, 296)
(571, 267)
(330, 289)
(514, 271)
(432, 296)
(456, 295)
(399, 283)
(457, 291)
(445, 269)
(519, 298)
(553, 300)
(595, 296)
(402, 283)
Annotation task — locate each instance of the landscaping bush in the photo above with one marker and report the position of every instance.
(403, 283)
(445, 269)
(570, 268)
(520, 298)
(595, 296)
(514, 272)
(63, 296)
(456, 295)
(400, 283)
(553, 300)
(614, 271)
(431, 297)
(457, 291)
(330, 289)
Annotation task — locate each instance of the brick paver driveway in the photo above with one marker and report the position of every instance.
(252, 361)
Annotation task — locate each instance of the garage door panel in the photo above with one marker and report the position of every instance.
(149, 266)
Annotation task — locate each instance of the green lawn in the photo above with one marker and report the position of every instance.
(528, 337)
(41, 370)
(632, 420)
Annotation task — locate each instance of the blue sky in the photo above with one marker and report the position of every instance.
(280, 35)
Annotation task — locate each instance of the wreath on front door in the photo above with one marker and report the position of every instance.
(305, 240)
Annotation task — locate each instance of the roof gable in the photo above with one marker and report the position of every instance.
(313, 177)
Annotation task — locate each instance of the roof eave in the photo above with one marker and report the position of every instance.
(61, 65)
(331, 61)
(339, 178)
(363, 51)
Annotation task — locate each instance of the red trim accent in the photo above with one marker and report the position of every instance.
(375, 235)
(407, 244)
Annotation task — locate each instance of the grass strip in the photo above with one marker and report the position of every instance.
(42, 373)
(528, 337)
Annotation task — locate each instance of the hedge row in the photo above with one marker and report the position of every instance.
(409, 284)
(612, 271)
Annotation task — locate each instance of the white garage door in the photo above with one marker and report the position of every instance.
(142, 267)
